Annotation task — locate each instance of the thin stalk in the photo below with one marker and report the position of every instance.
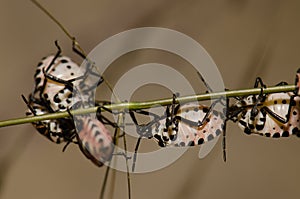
(108, 168)
(72, 38)
(149, 104)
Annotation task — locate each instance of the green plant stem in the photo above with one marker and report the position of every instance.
(149, 104)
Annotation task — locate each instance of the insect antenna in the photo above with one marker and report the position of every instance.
(75, 45)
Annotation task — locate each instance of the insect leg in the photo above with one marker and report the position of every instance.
(204, 82)
(104, 119)
(55, 56)
(144, 130)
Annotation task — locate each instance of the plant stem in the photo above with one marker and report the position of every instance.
(149, 104)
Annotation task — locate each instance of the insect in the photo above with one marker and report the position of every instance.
(271, 115)
(94, 139)
(50, 96)
(189, 124)
(56, 80)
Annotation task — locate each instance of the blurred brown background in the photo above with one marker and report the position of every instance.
(245, 38)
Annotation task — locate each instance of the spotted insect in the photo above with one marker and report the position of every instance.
(272, 115)
(50, 96)
(189, 124)
(55, 79)
(94, 139)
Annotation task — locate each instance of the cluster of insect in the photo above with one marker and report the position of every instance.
(58, 80)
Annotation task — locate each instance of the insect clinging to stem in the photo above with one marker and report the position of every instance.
(272, 115)
(187, 124)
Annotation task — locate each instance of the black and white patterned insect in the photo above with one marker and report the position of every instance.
(57, 82)
(187, 124)
(94, 139)
(50, 96)
(272, 115)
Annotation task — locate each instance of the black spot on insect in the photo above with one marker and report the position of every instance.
(68, 67)
(293, 103)
(68, 101)
(157, 136)
(285, 134)
(97, 133)
(275, 101)
(218, 132)
(57, 99)
(64, 61)
(276, 135)
(216, 113)
(28, 113)
(210, 137)
(243, 103)
(196, 109)
(71, 74)
(46, 95)
(40, 64)
(268, 134)
(247, 131)
(191, 143)
(263, 119)
(161, 144)
(100, 140)
(259, 127)
(200, 141)
(70, 95)
(205, 110)
(173, 137)
(60, 106)
(204, 131)
(165, 138)
(294, 112)
(295, 131)
(251, 126)
(182, 144)
(243, 123)
(37, 72)
(38, 80)
(283, 101)
(207, 120)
